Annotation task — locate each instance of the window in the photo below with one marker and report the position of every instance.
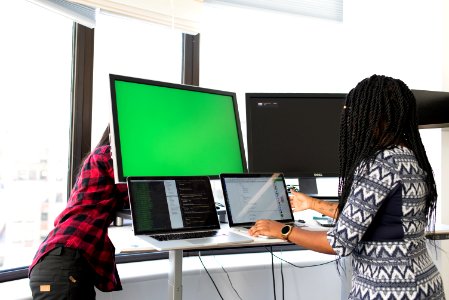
(36, 60)
(135, 48)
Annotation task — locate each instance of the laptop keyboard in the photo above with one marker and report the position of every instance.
(184, 235)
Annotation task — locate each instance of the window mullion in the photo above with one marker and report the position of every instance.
(81, 122)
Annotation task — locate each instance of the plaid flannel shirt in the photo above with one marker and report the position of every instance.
(84, 223)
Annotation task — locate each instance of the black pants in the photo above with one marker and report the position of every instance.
(63, 274)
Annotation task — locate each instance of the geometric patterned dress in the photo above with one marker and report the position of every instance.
(383, 227)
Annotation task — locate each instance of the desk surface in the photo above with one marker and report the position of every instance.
(126, 242)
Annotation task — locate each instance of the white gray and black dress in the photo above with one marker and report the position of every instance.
(383, 226)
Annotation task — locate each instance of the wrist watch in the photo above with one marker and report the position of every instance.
(285, 231)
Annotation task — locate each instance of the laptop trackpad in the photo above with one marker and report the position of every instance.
(209, 241)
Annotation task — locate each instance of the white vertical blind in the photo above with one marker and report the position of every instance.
(184, 15)
(79, 13)
(180, 14)
(326, 9)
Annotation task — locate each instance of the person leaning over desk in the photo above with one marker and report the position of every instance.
(387, 198)
(78, 254)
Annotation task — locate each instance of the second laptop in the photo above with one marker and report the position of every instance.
(250, 197)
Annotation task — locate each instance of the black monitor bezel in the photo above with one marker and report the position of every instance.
(130, 180)
(249, 97)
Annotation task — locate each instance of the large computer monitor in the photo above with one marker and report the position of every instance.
(294, 133)
(167, 129)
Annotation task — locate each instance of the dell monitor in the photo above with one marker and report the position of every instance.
(167, 129)
(294, 133)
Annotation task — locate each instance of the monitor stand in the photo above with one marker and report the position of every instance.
(308, 186)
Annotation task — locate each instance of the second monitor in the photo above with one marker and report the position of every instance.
(297, 134)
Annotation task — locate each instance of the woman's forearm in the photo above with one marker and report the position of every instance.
(312, 240)
(325, 207)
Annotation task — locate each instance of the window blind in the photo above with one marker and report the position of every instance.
(79, 13)
(180, 14)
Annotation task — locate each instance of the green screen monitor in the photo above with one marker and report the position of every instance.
(166, 129)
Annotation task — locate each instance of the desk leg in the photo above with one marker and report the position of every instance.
(175, 275)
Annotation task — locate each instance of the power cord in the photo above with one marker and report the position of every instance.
(272, 273)
(282, 280)
(229, 278)
(201, 260)
(282, 271)
(301, 267)
(270, 250)
(227, 274)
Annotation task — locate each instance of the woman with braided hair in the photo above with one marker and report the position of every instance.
(387, 198)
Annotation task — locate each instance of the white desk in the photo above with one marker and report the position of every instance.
(175, 256)
(126, 242)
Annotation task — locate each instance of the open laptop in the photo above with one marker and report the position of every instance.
(250, 197)
(177, 213)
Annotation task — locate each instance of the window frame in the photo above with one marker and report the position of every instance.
(81, 98)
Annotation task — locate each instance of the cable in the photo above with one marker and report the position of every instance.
(199, 256)
(229, 278)
(296, 266)
(282, 280)
(292, 264)
(282, 273)
(272, 272)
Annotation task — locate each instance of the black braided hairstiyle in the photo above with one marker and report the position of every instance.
(380, 113)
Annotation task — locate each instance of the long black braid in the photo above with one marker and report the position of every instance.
(380, 113)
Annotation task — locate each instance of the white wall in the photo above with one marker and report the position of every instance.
(250, 274)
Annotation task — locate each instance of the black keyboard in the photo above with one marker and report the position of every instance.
(184, 235)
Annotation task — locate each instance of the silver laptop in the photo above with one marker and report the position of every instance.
(250, 197)
(177, 213)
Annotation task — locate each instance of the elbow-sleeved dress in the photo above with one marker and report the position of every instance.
(383, 226)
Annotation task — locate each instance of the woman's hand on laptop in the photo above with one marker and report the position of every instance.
(268, 228)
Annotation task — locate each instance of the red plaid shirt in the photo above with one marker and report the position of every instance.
(84, 222)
